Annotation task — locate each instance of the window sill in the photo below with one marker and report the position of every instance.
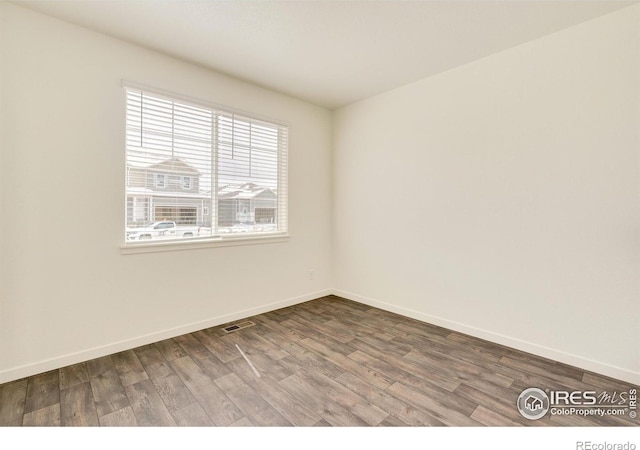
(191, 244)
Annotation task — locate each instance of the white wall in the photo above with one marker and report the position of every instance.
(501, 198)
(68, 293)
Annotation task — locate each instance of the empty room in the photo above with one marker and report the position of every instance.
(320, 214)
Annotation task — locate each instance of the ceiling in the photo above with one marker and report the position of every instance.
(328, 52)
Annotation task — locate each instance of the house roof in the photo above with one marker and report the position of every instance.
(174, 165)
(242, 191)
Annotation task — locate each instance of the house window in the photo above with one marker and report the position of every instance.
(232, 166)
(160, 180)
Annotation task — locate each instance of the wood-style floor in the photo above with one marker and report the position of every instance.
(328, 362)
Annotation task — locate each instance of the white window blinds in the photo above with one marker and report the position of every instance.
(195, 171)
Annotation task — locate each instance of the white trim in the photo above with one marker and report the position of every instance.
(27, 370)
(188, 244)
(518, 344)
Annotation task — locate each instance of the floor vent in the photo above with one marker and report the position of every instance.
(238, 326)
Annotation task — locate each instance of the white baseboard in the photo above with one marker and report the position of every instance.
(539, 350)
(26, 370)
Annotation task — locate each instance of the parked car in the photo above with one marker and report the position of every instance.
(152, 230)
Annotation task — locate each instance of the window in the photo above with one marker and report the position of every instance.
(160, 180)
(211, 173)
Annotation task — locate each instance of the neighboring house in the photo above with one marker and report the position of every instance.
(246, 203)
(170, 190)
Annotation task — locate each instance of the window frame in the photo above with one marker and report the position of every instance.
(281, 234)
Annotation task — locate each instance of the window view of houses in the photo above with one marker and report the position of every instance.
(193, 172)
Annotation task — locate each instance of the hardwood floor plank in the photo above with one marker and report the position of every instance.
(360, 327)
(216, 404)
(313, 314)
(213, 401)
(392, 421)
(336, 302)
(129, 368)
(281, 400)
(344, 397)
(244, 422)
(73, 375)
(348, 364)
(49, 416)
(147, 405)
(170, 349)
(262, 363)
(400, 369)
(252, 339)
(491, 418)
(504, 405)
(223, 350)
(471, 352)
(212, 366)
(121, 418)
(421, 343)
(455, 368)
(250, 402)
(326, 408)
(42, 390)
(607, 384)
(464, 343)
(192, 416)
(313, 361)
(12, 400)
(321, 423)
(444, 413)
(192, 346)
(267, 321)
(190, 373)
(149, 355)
(337, 330)
(424, 386)
(280, 340)
(173, 392)
(413, 326)
(565, 375)
(77, 407)
(392, 347)
(396, 408)
(108, 392)
(375, 318)
(317, 333)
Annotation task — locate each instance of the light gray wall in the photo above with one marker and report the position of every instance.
(501, 198)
